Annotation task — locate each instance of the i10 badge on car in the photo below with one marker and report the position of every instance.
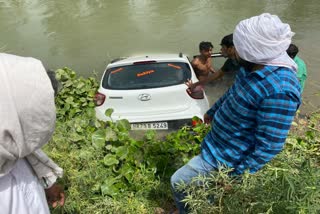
(150, 92)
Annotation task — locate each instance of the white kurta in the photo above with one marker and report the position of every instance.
(27, 121)
(21, 191)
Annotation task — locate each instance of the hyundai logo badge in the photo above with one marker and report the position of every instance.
(144, 97)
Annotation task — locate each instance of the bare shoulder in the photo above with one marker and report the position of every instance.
(195, 62)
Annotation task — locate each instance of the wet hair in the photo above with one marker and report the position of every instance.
(54, 81)
(292, 51)
(227, 41)
(205, 46)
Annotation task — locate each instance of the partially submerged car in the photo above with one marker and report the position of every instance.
(150, 92)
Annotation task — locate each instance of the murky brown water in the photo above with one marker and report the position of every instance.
(86, 34)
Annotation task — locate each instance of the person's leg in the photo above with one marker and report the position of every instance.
(196, 166)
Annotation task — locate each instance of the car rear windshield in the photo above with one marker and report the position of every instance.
(150, 75)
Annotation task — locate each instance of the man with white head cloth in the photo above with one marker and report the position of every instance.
(250, 122)
(27, 114)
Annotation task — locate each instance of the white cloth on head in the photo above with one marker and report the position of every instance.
(264, 40)
(27, 109)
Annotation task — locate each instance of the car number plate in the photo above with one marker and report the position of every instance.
(146, 126)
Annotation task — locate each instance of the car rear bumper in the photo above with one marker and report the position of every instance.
(143, 118)
(173, 121)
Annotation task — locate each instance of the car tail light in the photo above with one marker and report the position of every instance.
(196, 93)
(99, 99)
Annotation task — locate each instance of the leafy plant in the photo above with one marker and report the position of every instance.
(76, 93)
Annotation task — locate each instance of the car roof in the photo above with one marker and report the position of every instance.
(148, 57)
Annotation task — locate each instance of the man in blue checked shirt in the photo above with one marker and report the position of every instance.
(250, 122)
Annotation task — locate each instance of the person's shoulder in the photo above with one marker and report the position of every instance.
(197, 58)
(230, 65)
(286, 80)
(270, 81)
(299, 61)
(195, 61)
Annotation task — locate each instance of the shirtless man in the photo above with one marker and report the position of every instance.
(231, 65)
(202, 64)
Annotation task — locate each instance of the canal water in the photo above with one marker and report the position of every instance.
(87, 34)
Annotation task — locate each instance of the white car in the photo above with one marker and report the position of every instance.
(150, 92)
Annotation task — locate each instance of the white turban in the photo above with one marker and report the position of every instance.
(27, 110)
(264, 40)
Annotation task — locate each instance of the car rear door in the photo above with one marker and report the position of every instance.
(147, 90)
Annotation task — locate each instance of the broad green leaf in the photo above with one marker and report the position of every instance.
(122, 152)
(127, 171)
(109, 189)
(111, 135)
(79, 129)
(72, 73)
(98, 139)
(137, 143)
(109, 147)
(74, 137)
(110, 160)
(80, 85)
(68, 83)
(69, 100)
(123, 136)
(123, 125)
(58, 74)
(108, 112)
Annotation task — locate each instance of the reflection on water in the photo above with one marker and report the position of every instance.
(86, 34)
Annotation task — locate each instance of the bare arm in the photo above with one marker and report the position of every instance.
(195, 64)
(216, 75)
(212, 70)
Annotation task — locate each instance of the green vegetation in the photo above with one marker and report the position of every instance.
(106, 170)
(289, 184)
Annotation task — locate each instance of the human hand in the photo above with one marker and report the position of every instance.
(191, 85)
(55, 195)
(207, 118)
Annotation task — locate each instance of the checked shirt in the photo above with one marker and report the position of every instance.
(252, 119)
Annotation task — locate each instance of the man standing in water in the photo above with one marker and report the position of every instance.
(230, 65)
(251, 121)
(202, 64)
